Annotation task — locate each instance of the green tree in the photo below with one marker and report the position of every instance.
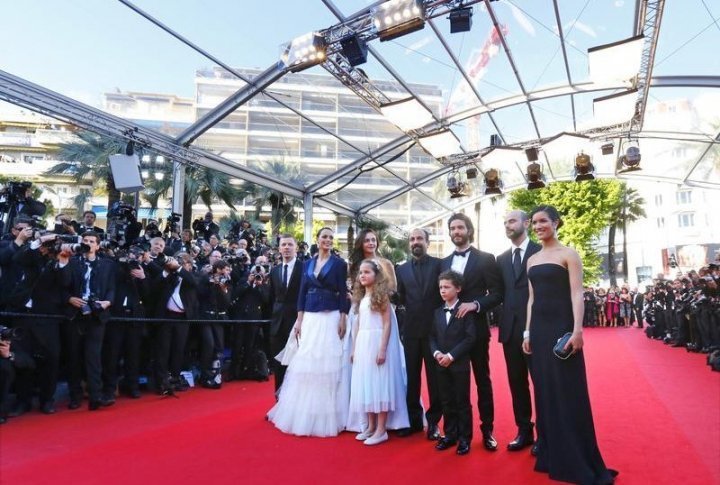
(282, 206)
(586, 209)
(628, 208)
(87, 160)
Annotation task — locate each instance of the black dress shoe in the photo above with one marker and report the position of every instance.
(405, 432)
(107, 400)
(534, 450)
(463, 448)
(134, 393)
(444, 444)
(74, 403)
(433, 432)
(48, 407)
(489, 442)
(19, 409)
(94, 405)
(521, 441)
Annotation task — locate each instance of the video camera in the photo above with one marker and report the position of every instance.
(173, 223)
(13, 193)
(121, 218)
(7, 333)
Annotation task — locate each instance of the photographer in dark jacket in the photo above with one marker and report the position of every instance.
(44, 273)
(177, 299)
(91, 289)
(124, 339)
(12, 361)
(215, 292)
(204, 228)
(20, 234)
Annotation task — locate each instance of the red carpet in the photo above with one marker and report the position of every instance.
(657, 414)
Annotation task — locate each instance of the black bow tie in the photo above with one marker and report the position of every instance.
(448, 310)
(462, 254)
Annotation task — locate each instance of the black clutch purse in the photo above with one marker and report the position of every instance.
(559, 348)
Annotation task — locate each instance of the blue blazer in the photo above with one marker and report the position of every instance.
(327, 291)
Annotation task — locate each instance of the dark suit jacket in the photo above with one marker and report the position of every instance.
(516, 292)
(419, 301)
(284, 300)
(327, 291)
(102, 287)
(166, 284)
(483, 284)
(43, 282)
(456, 338)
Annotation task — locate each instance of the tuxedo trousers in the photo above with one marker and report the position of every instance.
(122, 340)
(85, 338)
(480, 360)
(457, 410)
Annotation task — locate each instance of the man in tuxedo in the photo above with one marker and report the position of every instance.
(638, 303)
(481, 293)
(284, 286)
(513, 265)
(91, 290)
(88, 224)
(418, 293)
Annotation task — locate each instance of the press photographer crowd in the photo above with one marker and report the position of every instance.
(129, 308)
(683, 312)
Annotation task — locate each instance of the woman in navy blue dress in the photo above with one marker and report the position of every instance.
(310, 402)
(567, 447)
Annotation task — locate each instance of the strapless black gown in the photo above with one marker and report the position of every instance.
(567, 447)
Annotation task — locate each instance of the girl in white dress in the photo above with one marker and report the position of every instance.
(371, 383)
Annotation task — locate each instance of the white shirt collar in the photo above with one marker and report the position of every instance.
(523, 246)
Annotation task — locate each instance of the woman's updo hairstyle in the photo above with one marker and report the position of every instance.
(551, 211)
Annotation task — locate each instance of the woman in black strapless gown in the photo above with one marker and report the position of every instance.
(567, 446)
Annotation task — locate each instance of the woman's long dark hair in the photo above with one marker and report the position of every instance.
(357, 255)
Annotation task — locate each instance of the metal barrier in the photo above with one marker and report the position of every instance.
(130, 319)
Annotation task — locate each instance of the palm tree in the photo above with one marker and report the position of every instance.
(628, 209)
(200, 182)
(87, 159)
(282, 207)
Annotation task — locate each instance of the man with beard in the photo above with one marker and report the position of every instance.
(481, 293)
(513, 265)
(417, 281)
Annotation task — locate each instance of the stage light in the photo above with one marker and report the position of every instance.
(305, 51)
(493, 184)
(396, 18)
(630, 161)
(455, 185)
(615, 109)
(440, 144)
(159, 159)
(607, 149)
(534, 176)
(471, 173)
(130, 148)
(146, 158)
(495, 141)
(584, 169)
(145, 173)
(159, 175)
(531, 154)
(407, 114)
(618, 61)
(354, 49)
(461, 20)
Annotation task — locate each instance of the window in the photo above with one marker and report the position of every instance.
(661, 223)
(658, 200)
(686, 219)
(684, 197)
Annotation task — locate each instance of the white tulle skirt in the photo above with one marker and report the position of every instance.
(310, 402)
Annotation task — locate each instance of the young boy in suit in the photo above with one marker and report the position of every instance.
(451, 339)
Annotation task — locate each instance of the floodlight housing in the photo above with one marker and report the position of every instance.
(355, 49)
(531, 154)
(630, 161)
(493, 184)
(455, 185)
(461, 20)
(583, 168)
(395, 18)
(471, 173)
(607, 149)
(617, 61)
(407, 114)
(534, 176)
(305, 51)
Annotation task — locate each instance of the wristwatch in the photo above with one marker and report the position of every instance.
(11, 357)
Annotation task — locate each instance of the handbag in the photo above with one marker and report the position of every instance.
(559, 348)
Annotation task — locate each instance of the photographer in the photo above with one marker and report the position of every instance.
(12, 361)
(124, 339)
(214, 241)
(91, 290)
(157, 258)
(215, 292)
(177, 299)
(123, 227)
(43, 263)
(16, 200)
(249, 302)
(183, 242)
(204, 228)
(20, 235)
(64, 225)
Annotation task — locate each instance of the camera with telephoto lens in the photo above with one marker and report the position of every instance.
(7, 333)
(60, 240)
(257, 272)
(92, 306)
